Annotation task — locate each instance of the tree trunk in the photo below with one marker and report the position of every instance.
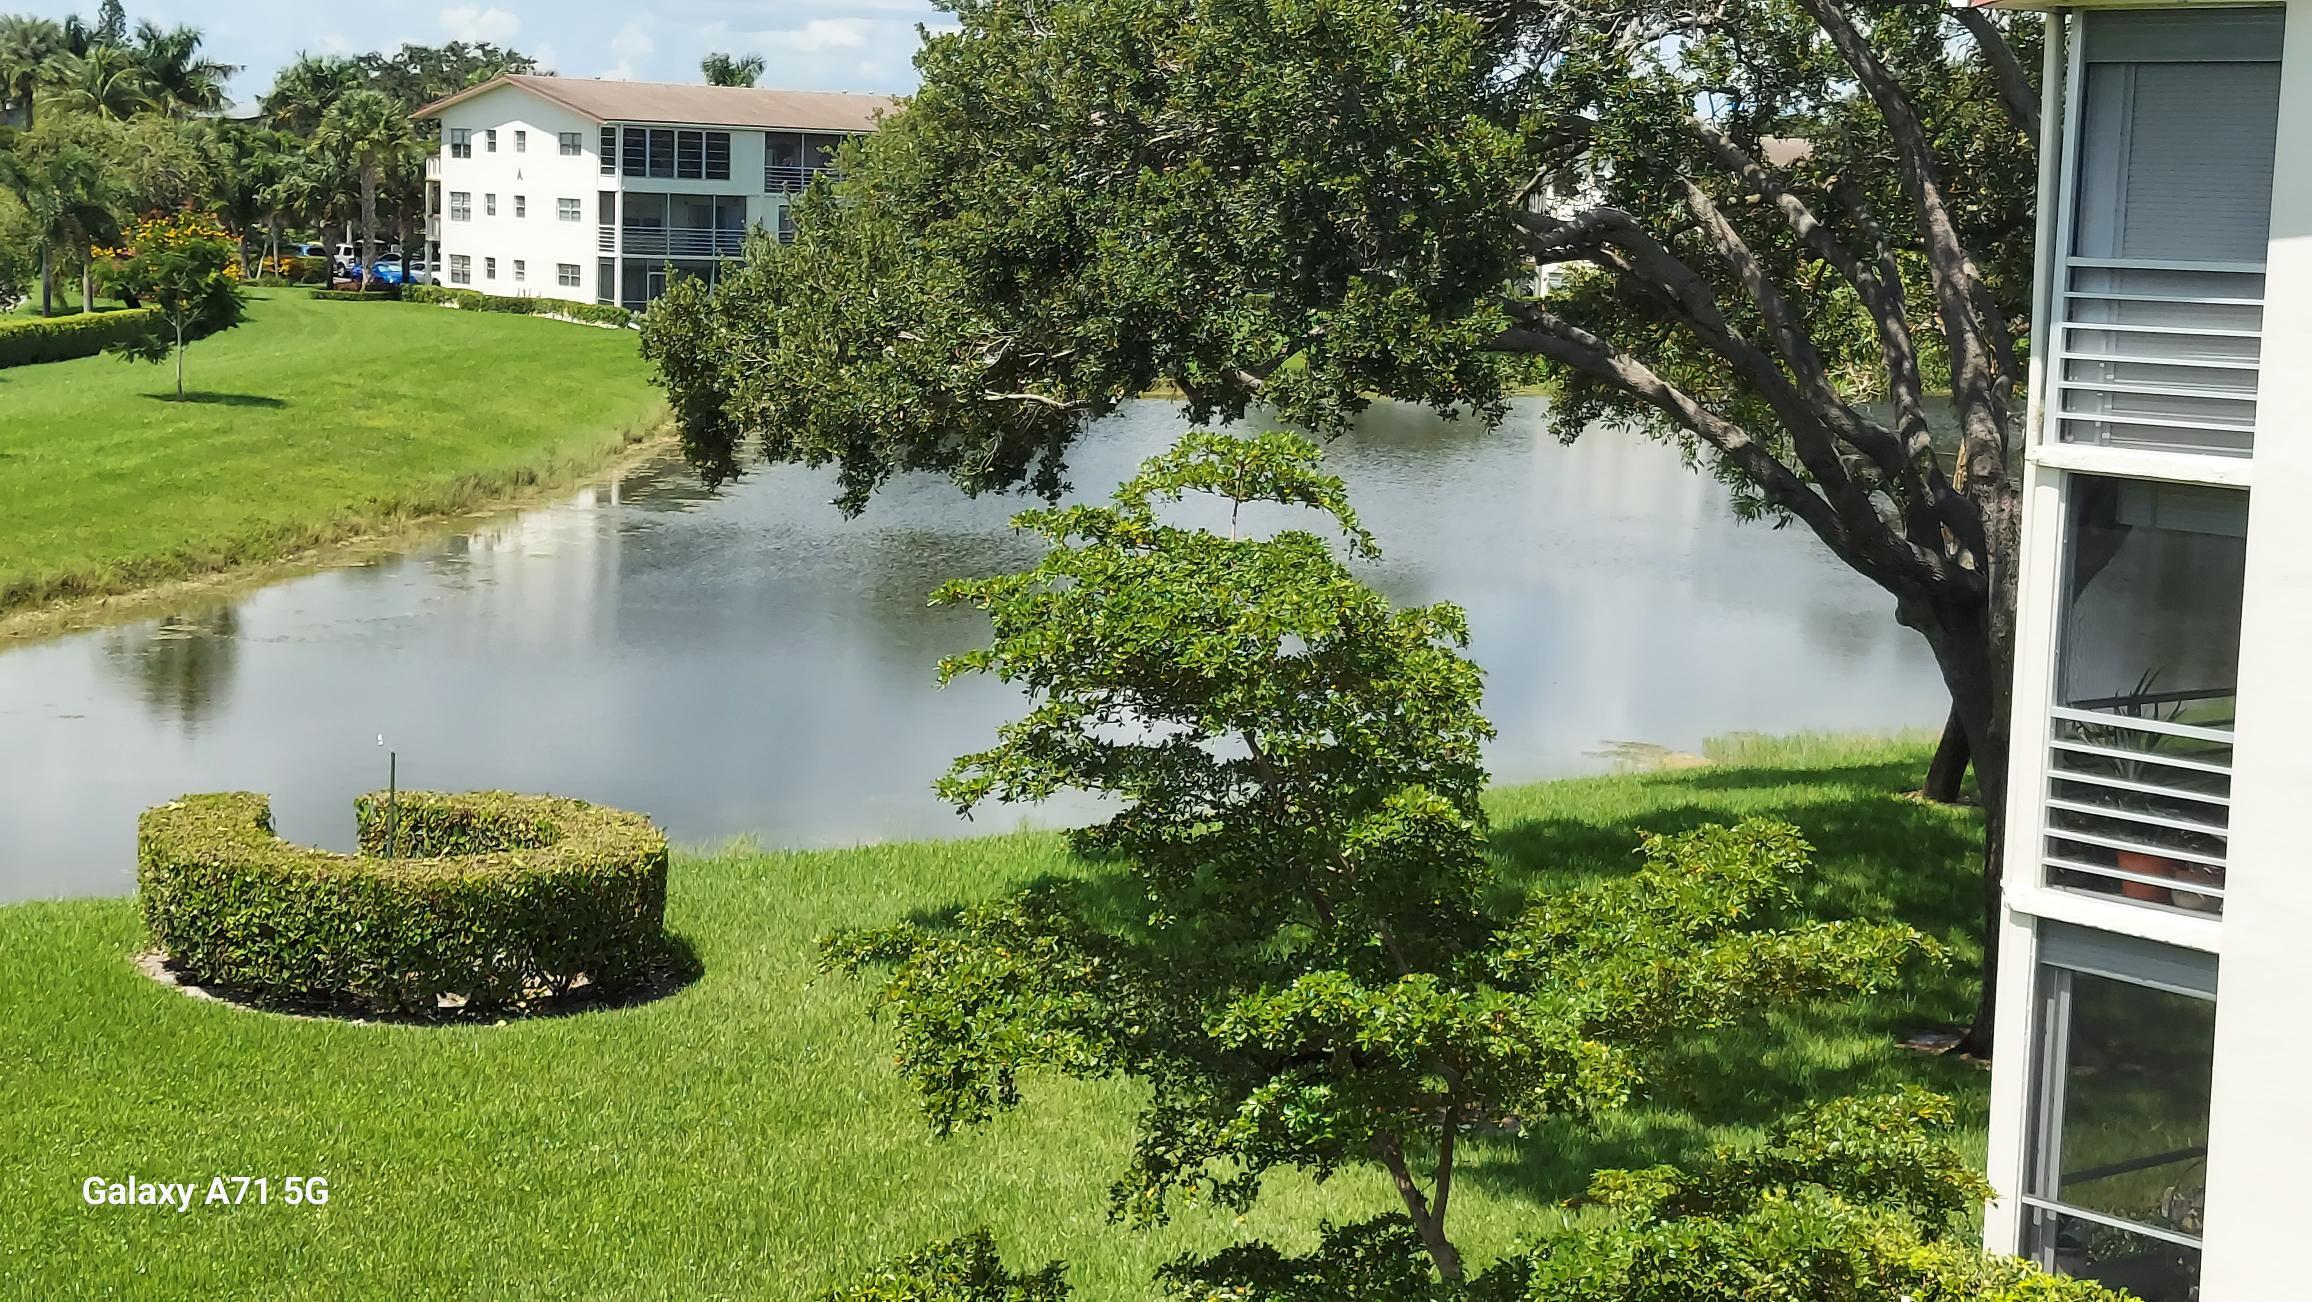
(1974, 646)
(47, 281)
(1429, 1222)
(180, 363)
(1947, 772)
(368, 224)
(88, 284)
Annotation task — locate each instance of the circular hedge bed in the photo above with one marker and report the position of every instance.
(490, 900)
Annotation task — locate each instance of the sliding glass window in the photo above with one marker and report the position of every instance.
(2116, 1182)
(2140, 740)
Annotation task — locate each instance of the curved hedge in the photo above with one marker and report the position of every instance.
(26, 340)
(493, 900)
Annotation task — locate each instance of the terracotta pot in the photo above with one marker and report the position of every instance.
(2148, 865)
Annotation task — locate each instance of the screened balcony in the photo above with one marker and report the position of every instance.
(677, 226)
(2161, 289)
(2139, 778)
(792, 158)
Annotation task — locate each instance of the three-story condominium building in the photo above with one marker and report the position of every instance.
(2152, 1094)
(596, 190)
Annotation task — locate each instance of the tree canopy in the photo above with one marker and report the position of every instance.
(1776, 232)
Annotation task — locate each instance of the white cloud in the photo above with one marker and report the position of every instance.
(821, 34)
(619, 71)
(632, 42)
(474, 23)
(335, 43)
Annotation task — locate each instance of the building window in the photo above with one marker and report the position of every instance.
(571, 142)
(681, 155)
(490, 141)
(606, 280)
(566, 274)
(609, 151)
(521, 270)
(461, 269)
(2115, 1181)
(489, 268)
(490, 205)
(566, 210)
(521, 205)
(461, 205)
(2168, 220)
(2147, 656)
(521, 142)
(461, 142)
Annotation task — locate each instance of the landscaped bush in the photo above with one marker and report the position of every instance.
(359, 295)
(522, 305)
(962, 1270)
(488, 900)
(25, 340)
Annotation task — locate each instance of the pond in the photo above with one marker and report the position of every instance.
(746, 662)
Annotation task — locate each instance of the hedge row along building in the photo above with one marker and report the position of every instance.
(594, 190)
(2148, 1124)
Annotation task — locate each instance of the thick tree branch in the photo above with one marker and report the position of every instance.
(2016, 93)
(1975, 386)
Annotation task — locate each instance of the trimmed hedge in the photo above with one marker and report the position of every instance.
(26, 340)
(521, 305)
(491, 901)
(357, 296)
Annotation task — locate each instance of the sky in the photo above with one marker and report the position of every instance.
(862, 45)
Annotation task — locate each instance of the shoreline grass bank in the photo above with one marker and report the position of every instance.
(311, 425)
(747, 1136)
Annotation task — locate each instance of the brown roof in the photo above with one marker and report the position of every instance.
(722, 106)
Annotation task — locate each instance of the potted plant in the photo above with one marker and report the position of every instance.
(2140, 767)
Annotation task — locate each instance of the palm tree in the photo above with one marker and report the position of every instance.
(106, 82)
(180, 79)
(731, 69)
(367, 127)
(62, 187)
(29, 50)
(304, 92)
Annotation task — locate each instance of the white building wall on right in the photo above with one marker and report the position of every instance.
(2260, 1141)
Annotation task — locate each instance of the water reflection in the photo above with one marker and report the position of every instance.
(181, 666)
(750, 662)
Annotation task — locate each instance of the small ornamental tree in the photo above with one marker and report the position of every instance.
(187, 268)
(1316, 966)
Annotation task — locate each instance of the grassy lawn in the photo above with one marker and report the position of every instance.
(747, 1137)
(309, 423)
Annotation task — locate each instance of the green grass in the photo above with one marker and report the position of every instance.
(747, 1137)
(309, 423)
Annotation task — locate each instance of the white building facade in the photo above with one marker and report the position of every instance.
(2148, 1113)
(599, 190)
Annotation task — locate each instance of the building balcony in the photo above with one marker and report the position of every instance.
(673, 242)
(790, 178)
(433, 167)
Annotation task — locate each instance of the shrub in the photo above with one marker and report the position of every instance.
(25, 340)
(493, 897)
(359, 295)
(962, 1270)
(522, 305)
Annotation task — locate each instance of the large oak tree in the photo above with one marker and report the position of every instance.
(1788, 234)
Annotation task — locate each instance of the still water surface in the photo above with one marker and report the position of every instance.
(748, 662)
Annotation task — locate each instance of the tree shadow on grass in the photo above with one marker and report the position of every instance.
(211, 398)
(1879, 855)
